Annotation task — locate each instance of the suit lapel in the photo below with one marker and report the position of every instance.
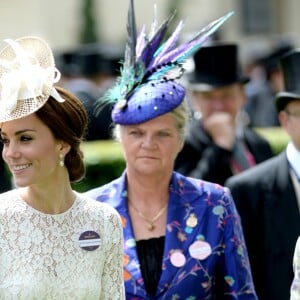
(282, 209)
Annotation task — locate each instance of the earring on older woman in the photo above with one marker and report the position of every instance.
(61, 160)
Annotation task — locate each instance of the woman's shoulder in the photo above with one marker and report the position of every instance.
(10, 202)
(96, 207)
(201, 192)
(8, 197)
(103, 191)
(198, 185)
(206, 200)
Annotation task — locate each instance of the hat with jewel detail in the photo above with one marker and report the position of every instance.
(27, 76)
(147, 86)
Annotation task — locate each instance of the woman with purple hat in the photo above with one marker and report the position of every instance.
(54, 242)
(182, 236)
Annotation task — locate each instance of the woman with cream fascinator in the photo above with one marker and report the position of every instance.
(55, 242)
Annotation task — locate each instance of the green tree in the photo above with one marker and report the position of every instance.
(88, 32)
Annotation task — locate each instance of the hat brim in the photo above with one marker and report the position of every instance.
(198, 86)
(149, 101)
(30, 61)
(283, 98)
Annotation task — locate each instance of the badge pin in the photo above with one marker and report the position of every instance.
(89, 240)
(192, 221)
(200, 250)
(177, 259)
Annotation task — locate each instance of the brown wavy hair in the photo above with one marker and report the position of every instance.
(68, 122)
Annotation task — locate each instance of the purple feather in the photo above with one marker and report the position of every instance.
(153, 44)
(170, 43)
(185, 50)
(141, 42)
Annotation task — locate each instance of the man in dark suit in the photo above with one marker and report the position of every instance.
(260, 105)
(96, 72)
(268, 198)
(219, 143)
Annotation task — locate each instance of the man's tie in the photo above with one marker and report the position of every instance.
(241, 159)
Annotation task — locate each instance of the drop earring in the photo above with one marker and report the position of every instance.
(61, 160)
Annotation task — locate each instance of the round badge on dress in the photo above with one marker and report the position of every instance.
(200, 250)
(192, 221)
(89, 240)
(177, 259)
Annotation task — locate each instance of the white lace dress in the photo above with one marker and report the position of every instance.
(73, 255)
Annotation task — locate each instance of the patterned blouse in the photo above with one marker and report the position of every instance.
(204, 252)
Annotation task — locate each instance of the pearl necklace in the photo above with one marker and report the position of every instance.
(150, 222)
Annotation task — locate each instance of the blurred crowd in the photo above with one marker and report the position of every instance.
(228, 99)
(91, 69)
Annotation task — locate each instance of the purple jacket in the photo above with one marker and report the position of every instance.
(205, 256)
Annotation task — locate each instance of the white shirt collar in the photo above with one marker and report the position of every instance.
(293, 156)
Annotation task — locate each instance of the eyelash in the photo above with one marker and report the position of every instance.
(160, 134)
(24, 139)
(4, 141)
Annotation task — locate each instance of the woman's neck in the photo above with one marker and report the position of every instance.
(149, 191)
(49, 200)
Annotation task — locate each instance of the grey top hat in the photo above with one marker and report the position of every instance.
(216, 65)
(290, 65)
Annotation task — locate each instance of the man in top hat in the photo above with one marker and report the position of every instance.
(219, 144)
(268, 197)
(96, 72)
(260, 105)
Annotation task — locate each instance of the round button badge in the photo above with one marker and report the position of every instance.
(177, 259)
(192, 221)
(89, 240)
(200, 250)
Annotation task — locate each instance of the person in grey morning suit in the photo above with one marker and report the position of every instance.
(218, 144)
(268, 197)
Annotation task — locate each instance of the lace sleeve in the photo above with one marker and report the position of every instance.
(295, 288)
(112, 277)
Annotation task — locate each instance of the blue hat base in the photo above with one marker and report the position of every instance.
(148, 102)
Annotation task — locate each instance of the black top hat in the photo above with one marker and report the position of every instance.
(66, 63)
(290, 65)
(270, 62)
(89, 59)
(216, 66)
(95, 58)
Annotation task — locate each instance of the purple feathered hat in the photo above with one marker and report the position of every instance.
(147, 86)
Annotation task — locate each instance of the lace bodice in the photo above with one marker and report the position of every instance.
(42, 256)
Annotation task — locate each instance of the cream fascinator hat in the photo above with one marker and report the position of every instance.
(27, 76)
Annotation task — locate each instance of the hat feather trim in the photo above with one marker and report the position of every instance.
(154, 57)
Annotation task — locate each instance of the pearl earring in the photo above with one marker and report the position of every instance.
(61, 160)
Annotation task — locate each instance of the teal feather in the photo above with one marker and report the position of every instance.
(151, 58)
